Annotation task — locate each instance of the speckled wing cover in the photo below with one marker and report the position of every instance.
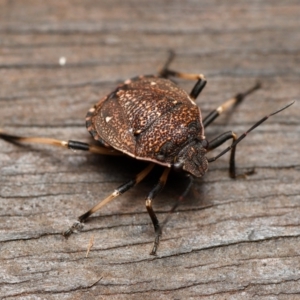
(148, 118)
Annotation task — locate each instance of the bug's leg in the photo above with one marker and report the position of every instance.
(181, 198)
(221, 139)
(231, 135)
(74, 145)
(117, 192)
(157, 188)
(199, 86)
(230, 102)
(165, 72)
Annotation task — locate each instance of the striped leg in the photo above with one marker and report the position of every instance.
(120, 190)
(157, 188)
(221, 140)
(165, 72)
(231, 135)
(74, 145)
(230, 102)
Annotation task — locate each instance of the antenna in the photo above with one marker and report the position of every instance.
(249, 130)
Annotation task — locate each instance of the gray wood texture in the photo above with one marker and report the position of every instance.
(231, 239)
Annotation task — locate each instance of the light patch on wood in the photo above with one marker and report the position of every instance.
(62, 61)
(90, 245)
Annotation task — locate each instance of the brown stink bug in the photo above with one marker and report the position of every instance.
(150, 118)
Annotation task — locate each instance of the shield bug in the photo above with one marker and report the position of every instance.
(151, 118)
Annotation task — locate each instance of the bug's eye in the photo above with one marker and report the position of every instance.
(178, 166)
(204, 144)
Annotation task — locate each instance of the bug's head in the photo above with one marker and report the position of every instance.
(192, 158)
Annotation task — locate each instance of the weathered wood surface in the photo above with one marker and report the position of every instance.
(232, 239)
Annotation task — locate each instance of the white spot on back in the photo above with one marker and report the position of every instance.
(107, 119)
(153, 83)
(192, 101)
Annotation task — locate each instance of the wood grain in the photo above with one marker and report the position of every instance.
(231, 239)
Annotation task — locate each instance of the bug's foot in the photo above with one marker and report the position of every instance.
(243, 175)
(77, 226)
(155, 245)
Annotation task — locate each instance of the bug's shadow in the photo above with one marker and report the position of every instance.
(133, 200)
(121, 169)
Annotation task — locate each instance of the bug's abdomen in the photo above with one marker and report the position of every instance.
(148, 118)
(111, 125)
